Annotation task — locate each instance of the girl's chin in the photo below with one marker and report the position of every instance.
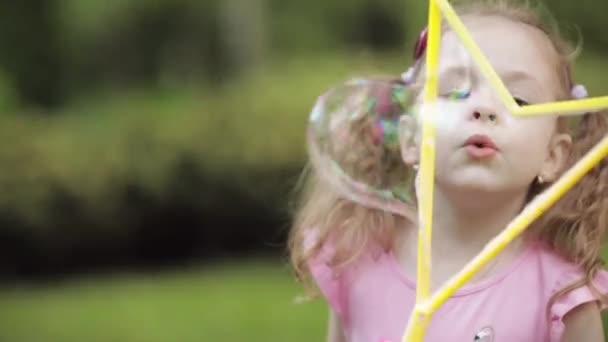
(480, 188)
(473, 183)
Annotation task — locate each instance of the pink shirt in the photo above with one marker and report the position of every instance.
(374, 298)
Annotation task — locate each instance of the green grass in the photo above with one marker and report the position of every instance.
(251, 302)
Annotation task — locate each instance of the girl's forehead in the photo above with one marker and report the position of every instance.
(509, 46)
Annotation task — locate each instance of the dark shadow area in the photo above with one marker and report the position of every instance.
(199, 218)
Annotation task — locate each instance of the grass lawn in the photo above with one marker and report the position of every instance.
(251, 302)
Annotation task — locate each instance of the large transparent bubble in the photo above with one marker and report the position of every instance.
(354, 144)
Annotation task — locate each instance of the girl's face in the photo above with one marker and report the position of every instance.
(480, 145)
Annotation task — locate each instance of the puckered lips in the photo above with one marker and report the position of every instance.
(480, 146)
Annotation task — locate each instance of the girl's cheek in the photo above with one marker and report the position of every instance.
(446, 115)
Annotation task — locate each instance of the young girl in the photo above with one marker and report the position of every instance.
(547, 285)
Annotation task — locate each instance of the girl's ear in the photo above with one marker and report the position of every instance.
(407, 139)
(560, 148)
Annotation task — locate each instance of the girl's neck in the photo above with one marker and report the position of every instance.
(462, 225)
(471, 220)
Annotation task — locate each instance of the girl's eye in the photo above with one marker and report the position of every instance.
(521, 102)
(458, 94)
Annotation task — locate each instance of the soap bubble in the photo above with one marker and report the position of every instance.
(354, 144)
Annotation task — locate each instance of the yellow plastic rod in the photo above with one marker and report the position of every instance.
(427, 159)
(536, 208)
(573, 107)
(418, 323)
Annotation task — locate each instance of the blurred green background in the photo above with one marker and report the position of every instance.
(149, 151)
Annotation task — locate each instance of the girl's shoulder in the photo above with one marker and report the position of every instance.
(334, 281)
(558, 274)
(553, 267)
(325, 276)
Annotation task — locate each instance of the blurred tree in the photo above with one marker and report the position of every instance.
(242, 33)
(132, 50)
(378, 25)
(31, 51)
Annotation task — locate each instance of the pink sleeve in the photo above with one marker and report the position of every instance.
(326, 278)
(566, 303)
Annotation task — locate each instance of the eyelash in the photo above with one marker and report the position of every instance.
(521, 102)
(464, 94)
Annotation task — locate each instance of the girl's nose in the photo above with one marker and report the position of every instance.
(485, 107)
(484, 115)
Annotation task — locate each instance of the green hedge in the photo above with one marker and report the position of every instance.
(97, 145)
(245, 128)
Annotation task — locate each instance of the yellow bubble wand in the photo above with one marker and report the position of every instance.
(426, 304)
